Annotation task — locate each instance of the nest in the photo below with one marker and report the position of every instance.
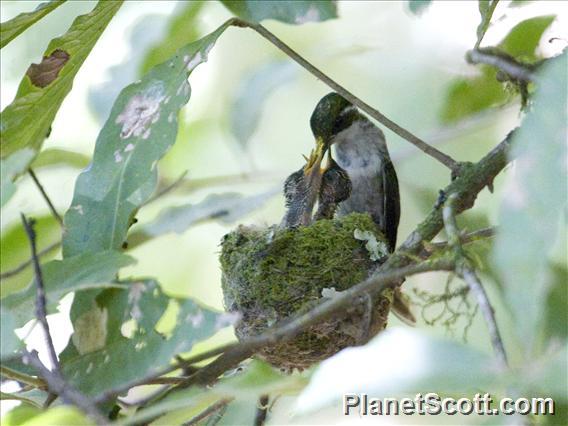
(270, 274)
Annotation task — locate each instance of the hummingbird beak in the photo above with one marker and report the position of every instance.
(312, 169)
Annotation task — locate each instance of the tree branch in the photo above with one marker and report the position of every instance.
(445, 159)
(514, 69)
(465, 269)
(55, 381)
(54, 212)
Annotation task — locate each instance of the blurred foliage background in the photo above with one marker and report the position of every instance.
(246, 126)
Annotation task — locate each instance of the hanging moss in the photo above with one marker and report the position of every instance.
(270, 274)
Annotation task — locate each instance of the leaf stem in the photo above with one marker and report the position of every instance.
(10, 374)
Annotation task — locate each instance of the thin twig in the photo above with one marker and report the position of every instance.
(55, 381)
(514, 69)
(54, 212)
(41, 311)
(166, 189)
(22, 266)
(212, 409)
(26, 379)
(470, 237)
(377, 115)
(465, 269)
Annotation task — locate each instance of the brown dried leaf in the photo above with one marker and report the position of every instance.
(42, 74)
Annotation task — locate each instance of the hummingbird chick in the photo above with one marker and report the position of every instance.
(335, 188)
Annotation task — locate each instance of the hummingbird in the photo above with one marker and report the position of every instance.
(335, 188)
(361, 151)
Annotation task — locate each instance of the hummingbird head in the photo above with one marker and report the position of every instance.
(332, 114)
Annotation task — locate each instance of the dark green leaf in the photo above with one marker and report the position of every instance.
(291, 12)
(251, 95)
(469, 96)
(522, 41)
(64, 276)
(134, 312)
(10, 168)
(534, 200)
(26, 121)
(418, 6)
(60, 157)
(141, 128)
(226, 208)
(14, 27)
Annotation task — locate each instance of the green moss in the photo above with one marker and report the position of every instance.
(270, 273)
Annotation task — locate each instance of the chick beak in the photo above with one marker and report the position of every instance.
(312, 169)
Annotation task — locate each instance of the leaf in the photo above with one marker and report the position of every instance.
(290, 12)
(124, 360)
(486, 9)
(60, 157)
(57, 416)
(226, 208)
(182, 28)
(20, 415)
(10, 168)
(142, 126)
(418, 7)
(11, 29)
(556, 322)
(10, 342)
(467, 96)
(522, 41)
(251, 95)
(26, 121)
(533, 201)
(396, 362)
(64, 276)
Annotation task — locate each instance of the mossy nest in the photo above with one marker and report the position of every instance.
(270, 274)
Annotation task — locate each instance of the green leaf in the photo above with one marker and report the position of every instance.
(57, 416)
(142, 126)
(20, 415)
(486, 9)
(556, 323)
(378, 369)
(11, 29)
(10, 168)
(418, 7)
(251, 95)
(182, 28)
(522, 41)
(60, 157)
(533, 202)
(467, 96)
(226, 208)
(60, 277)
(132, 347)
(10, 342)
(291, 12)
(26, 121)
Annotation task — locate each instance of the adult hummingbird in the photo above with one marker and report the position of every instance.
(361, 151)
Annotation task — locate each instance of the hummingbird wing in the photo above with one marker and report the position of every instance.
(391, 203)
